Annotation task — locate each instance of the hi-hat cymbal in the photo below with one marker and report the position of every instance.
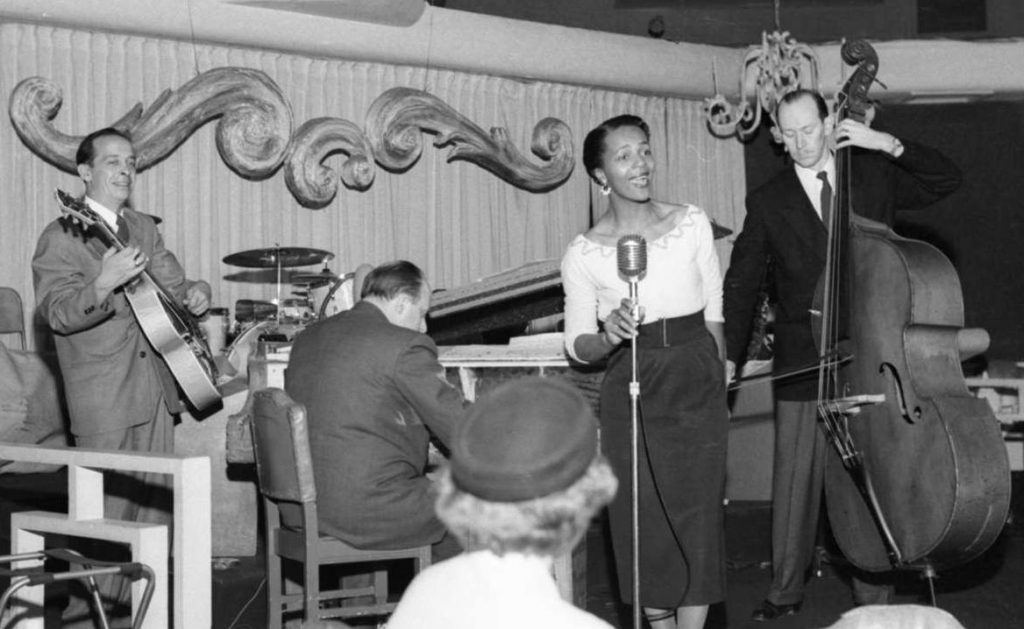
(323, 277)
(278, 256)
(719, 231)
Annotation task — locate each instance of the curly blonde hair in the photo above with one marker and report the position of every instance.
(551, 525)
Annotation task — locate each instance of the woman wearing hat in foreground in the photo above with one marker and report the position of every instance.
(524, 479)
(683, 415)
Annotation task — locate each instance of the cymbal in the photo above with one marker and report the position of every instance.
(719, 231)
(322, 277)
(278, 256)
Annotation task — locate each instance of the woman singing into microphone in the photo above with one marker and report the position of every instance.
(682, 410)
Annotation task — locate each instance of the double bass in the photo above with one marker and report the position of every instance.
(917, 476)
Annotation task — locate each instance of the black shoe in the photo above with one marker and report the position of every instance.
(770, 611)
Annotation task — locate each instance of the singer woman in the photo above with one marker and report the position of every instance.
(682, 407)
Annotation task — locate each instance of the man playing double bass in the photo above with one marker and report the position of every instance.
(784, 225)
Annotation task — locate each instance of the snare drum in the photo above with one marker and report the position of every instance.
(333, 297)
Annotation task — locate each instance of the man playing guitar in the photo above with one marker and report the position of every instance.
(120, 394)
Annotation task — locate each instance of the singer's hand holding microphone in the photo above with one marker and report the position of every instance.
(621, 324)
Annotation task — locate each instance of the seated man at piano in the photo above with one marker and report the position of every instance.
(375, 394)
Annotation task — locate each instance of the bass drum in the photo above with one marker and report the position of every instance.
(333, 297)
(245, 344)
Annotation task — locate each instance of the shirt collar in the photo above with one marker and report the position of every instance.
(108, 215)
(812, 173)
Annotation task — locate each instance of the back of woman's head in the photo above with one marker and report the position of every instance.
(525, 473)
(548, 526)
(896, 617)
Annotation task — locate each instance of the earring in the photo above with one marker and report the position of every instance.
(606, 189)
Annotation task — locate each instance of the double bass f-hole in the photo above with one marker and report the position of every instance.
(890, 370)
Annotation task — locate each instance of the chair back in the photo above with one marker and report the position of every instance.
(281, 445)
(12, 313)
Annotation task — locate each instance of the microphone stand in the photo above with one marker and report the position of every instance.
(634, 415)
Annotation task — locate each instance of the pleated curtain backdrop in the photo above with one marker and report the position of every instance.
(456, 220)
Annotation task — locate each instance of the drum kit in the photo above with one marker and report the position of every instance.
(316, 296)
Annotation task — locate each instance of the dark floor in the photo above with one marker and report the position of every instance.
(987, 593)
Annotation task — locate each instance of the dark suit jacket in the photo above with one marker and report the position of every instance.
(112, 375)
(781, 225)
(374, 392)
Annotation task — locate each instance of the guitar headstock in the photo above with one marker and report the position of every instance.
(76, 209)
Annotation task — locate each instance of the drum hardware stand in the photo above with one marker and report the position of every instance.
(928, 574)
(277, 256)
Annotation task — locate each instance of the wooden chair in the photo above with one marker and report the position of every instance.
(12, 314)
(285, 471)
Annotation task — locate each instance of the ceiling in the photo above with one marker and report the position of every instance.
(740, 22)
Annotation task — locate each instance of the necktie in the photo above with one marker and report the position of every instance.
(826, 198)
(122, 229)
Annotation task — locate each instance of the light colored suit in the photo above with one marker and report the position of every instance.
(120, 394)
(112, 376)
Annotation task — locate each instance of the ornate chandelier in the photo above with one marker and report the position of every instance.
(779, 66)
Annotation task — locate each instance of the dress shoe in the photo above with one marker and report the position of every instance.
(770, 611)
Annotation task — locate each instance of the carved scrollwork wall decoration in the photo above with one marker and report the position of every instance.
(252, 134)
(399, 116)
(308, 179)
(255, 123)
(34, 102)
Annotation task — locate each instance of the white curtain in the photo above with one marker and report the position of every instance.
(456, 220)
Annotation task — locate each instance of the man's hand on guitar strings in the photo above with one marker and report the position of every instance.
(123, 266)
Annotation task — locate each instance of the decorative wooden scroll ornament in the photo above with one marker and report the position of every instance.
(254, 134)
(313, 183)
(396, 119)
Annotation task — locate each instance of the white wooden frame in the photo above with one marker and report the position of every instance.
(190, 546)
(995, 390)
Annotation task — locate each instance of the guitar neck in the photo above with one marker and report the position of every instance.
(81, 212)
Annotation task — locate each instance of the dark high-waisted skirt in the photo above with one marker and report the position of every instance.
(682, 445)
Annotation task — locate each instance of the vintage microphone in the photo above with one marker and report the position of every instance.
(631, 253)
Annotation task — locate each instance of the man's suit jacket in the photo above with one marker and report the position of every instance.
(782, 226)
(112, 376)
(374, 393)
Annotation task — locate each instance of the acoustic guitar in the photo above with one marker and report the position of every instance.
(171, 330)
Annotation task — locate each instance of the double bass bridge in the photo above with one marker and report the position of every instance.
(850, 405)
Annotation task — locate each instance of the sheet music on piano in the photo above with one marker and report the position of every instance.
(538, 350)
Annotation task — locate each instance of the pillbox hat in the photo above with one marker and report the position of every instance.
(525, 439)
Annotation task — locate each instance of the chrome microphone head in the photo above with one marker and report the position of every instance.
(631, 252)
